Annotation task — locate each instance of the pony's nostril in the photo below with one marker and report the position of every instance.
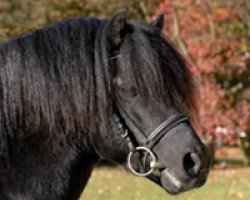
(192, 164)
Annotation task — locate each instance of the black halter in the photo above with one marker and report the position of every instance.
(145, 144)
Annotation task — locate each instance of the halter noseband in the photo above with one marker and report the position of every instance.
(149, 142)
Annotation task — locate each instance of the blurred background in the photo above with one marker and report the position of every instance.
(214, 36)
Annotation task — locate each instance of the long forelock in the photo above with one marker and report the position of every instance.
(160, 71)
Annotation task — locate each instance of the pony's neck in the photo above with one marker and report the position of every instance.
(79, 181)
(55, 169)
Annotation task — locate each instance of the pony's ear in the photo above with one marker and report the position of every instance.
(159, 21)
(116, 28)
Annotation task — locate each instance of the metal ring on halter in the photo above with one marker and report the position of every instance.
(153, 161)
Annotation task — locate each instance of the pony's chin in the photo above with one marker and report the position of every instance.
(170, 183)
(175, 186)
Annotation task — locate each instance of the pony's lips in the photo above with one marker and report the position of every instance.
(173, 185)
(170, 183)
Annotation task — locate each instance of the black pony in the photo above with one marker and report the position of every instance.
(81, 90)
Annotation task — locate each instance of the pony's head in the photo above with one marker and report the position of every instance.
(153, 92)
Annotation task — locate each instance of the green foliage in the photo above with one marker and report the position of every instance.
(235, 81)
(17, 16)
(236, 29)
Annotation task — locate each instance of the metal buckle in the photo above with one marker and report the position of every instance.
(151, 154)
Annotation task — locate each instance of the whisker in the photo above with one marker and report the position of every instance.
(115, 57)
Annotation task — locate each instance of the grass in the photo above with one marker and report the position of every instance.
(115, 184)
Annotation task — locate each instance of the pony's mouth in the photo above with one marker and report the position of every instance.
(170, 182)
(172, 178)
(173, 185)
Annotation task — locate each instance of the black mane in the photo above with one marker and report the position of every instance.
(58, 79)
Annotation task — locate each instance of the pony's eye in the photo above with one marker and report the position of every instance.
(124, 89)
(128, 92)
